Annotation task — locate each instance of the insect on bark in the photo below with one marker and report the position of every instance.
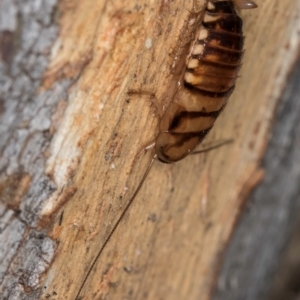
(205, 72)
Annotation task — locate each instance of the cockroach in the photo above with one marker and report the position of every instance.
(207, 74)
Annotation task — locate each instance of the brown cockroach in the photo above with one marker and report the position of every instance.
(205, 74)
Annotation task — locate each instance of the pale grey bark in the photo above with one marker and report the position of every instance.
(27, 33)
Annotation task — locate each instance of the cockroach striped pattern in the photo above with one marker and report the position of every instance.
(209, 79)
(204, 85)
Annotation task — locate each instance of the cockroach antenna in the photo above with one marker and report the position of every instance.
(116, 225)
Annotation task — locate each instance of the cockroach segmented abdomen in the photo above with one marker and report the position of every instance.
(209, 78)
(216, 54)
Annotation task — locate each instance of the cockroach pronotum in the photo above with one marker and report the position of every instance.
(207, 74)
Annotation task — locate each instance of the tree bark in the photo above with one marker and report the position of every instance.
(70, 136)
(262, 260)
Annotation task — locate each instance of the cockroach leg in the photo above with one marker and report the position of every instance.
(152, 97)
(144, 150)
(207, 148)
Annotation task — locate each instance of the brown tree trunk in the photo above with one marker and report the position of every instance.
(70, 135)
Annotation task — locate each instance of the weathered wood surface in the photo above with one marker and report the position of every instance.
(263, 259)
(68, 145)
